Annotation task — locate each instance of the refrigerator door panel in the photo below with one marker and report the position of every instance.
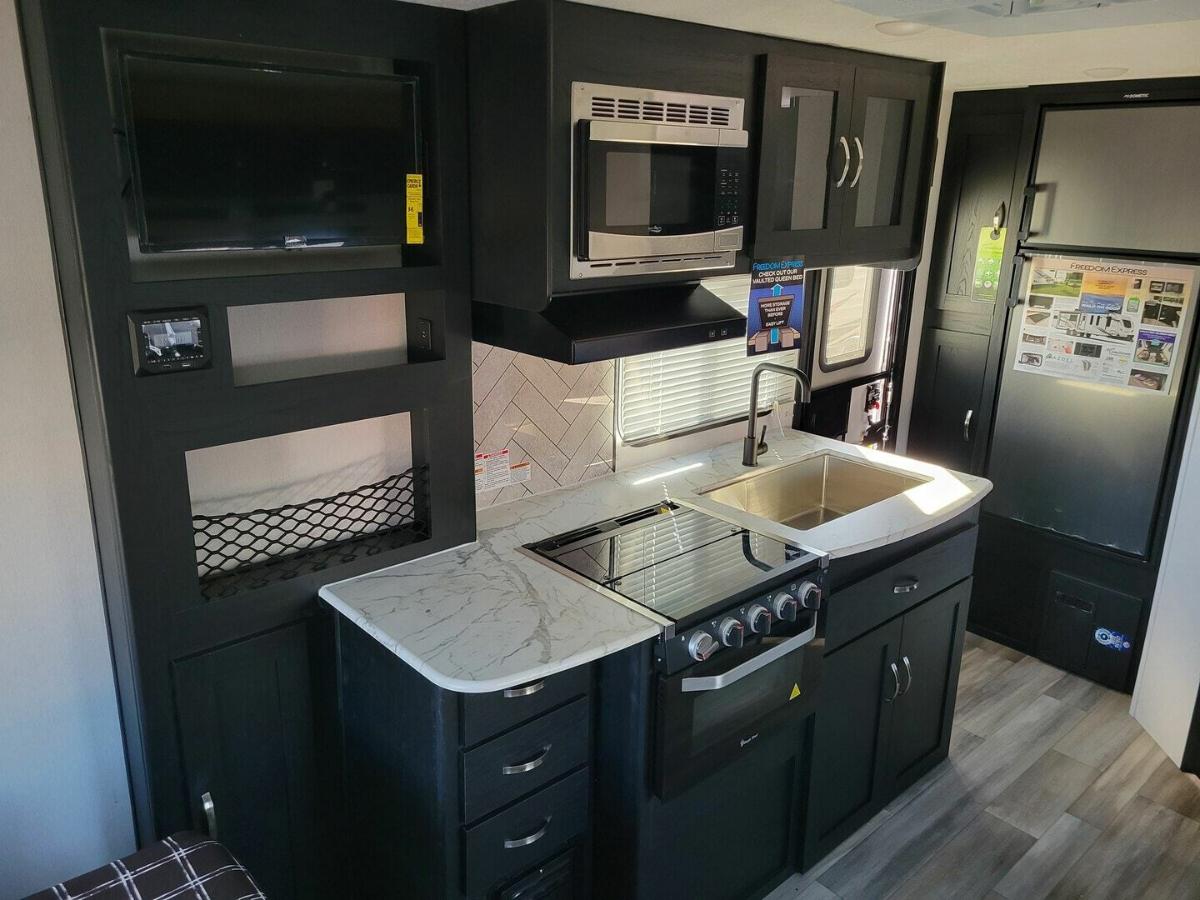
(1110, 177)
(1092, 376)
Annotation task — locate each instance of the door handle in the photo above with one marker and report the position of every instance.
(527, 766)
(1014, 289)
(998, 220)
(967, 425)
(895, 684)
(525, 690)
(846, 167)
(858, 172)
(908, 673)
(1025, 223)
(210, 814)
(532, 838)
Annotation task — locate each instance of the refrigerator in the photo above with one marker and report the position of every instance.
(1096, 377)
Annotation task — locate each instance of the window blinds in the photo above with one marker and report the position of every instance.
(674, 391)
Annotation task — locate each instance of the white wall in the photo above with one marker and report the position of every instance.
(64, 796)
(1169, 677)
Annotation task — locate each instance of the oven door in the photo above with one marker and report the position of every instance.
(651, 190)
(710, 713)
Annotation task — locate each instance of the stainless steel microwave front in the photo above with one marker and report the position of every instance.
(668, 193)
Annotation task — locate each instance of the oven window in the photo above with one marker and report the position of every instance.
(739, 705)
(651, 189)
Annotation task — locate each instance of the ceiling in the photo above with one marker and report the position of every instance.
(972, 60)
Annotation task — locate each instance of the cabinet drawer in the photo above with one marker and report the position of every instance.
(857, 608)
(485, 715)
(524, 759)
(517, 839)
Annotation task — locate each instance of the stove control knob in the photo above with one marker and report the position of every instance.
(785, 607)
(758, 618)
(810, 595)
(701, 646)
(732, 632)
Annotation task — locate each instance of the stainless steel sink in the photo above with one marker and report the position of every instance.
(813, 491)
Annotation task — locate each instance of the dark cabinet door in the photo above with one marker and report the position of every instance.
(948, 397)
(247, 732)
(806, 158)
(930, 650)
(887, 131)
(850, 737)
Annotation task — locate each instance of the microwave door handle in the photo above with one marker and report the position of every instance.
(750, 666)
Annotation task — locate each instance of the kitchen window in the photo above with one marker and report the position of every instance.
(674, 392)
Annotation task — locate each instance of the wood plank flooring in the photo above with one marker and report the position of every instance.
(1051, 791)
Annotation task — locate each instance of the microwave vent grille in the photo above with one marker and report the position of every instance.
(658, 111)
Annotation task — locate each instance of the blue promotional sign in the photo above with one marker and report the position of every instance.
(775, 317)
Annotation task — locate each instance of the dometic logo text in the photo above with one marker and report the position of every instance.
(1137, 96)
(747, 740)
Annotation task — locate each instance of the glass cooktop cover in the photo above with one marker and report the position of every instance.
(673, 560)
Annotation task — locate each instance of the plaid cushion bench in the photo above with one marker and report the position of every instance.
(184, 866)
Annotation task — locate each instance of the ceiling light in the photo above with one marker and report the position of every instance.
(900, 28)
(1106, 72)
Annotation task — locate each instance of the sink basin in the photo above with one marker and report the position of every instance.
(813, 491)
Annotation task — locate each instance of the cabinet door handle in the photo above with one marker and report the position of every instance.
(527, 766)
(908, 672)
(906, 587)
(525, 690)
(210, 814)
(845, 168)
(532, 838)
(998, 220)
(967, 425)
(895, 683)
(858, 172)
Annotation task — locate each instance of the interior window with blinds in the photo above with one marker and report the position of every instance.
(689, 388)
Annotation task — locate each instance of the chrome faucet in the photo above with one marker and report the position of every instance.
(752, 445)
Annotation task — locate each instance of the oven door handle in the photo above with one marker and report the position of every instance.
(750, 666)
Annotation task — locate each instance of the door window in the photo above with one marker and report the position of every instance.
(882, 153)
(849, 323)
(802, 171)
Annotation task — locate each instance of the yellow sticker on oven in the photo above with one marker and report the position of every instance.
(414, 208)
(795, 691)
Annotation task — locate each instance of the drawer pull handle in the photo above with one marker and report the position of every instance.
(906, 587)
(528, 765)
(907, 672)
(525, 690)
(531, 838)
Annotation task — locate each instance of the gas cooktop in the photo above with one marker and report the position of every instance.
(677, 562)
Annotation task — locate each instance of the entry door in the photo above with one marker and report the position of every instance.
(948, 395)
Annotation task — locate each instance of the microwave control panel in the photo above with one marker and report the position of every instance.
(729, 196)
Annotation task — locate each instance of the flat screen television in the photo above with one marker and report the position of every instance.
(235, 155)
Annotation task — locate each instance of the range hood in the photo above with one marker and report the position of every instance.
(583, 328)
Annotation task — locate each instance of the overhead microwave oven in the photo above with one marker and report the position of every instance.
(658, 181)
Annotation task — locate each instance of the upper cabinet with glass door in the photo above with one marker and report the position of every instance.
(844, 162)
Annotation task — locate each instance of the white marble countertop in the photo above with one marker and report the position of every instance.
(484, 616)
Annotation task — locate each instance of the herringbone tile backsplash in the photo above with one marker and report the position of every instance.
(557, 417)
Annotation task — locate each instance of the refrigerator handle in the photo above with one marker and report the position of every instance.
(1025, 222)
(1014, 289)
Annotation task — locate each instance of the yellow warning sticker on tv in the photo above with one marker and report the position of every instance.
(795, 692)
(414, 208)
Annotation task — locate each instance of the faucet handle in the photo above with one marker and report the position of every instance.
(762, 440)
